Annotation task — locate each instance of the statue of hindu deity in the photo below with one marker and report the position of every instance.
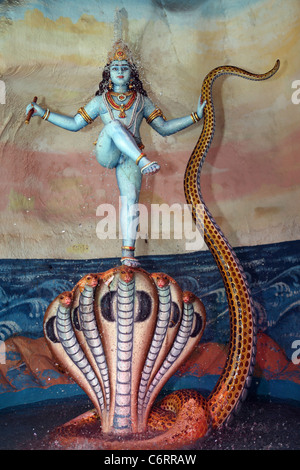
(122, 104)
(121, 334)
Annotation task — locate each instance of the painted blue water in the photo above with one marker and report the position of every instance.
(273, 271)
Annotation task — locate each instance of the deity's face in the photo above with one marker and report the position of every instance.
(120, 72)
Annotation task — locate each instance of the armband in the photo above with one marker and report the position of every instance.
(85, 115)
(156, 113)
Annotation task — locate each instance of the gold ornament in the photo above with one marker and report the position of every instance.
(120, 107)
(139, 158)
(85, 115)
(46, 115)
(120, 51)
(121, 96)
(156, 113)
(195, 117)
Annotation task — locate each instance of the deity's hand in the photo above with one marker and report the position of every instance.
(38, 111)
(200, 107)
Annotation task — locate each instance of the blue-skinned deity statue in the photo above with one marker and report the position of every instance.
(122, 104)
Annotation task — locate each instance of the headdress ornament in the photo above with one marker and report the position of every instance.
(120, 51)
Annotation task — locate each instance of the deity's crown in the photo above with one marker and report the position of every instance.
(120, 51)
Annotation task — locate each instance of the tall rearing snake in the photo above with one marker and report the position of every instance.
(185, 416)
(231, 388)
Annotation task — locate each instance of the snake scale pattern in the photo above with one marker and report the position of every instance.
(122, 334)
(232, 386)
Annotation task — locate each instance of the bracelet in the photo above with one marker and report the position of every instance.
(195, 117)
(139, 158)
(85, 115)
(130, 248)
(46, 115)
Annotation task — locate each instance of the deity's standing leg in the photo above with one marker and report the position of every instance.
(116, 148)
(129, 180)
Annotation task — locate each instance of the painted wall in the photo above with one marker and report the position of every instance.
(51, 184)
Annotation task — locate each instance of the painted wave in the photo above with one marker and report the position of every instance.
(273, 271)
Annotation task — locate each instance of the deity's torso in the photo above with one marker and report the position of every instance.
(129, 110)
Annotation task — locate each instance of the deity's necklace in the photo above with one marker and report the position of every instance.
(121, 97)
(135, 112)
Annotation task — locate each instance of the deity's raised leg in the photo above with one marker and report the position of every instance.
(114, 140)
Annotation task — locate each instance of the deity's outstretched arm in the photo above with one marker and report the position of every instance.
(82, 118)
(164, 127)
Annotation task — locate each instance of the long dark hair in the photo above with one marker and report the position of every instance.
(134, 80)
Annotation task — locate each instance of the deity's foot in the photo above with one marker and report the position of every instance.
(130, 261)
(147, 167)
(150, 168)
